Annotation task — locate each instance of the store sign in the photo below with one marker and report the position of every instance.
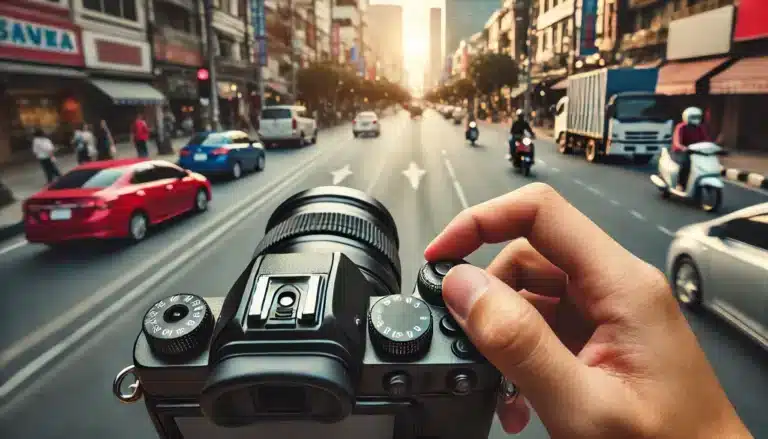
(335, 41)
(115, 53)
(752, 20)
(587, 33)
(24, 38)
(686, 40)
(258, 20)
(177, 54)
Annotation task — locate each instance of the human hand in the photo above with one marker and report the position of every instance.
(589, 333)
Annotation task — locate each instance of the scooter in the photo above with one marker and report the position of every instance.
(705, 184)
(472, 133)
(522, 158)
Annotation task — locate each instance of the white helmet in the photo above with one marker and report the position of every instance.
(693, 116)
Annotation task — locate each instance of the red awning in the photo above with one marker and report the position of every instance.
(746, 76)
(679, 78)
(560, 85)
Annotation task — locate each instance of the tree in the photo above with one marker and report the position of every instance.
(463, 88)
(492, 71)
(317, 83)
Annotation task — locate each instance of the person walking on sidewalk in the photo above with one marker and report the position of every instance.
(140, 133)
(105, 144)
(44, 149)
(83, 141)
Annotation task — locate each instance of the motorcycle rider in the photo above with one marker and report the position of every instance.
(691, 130)
(518, 129)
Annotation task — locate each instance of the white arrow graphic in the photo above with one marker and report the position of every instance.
(414, 174)
(340, 174)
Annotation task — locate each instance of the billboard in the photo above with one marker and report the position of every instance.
(258, 18)
(587, 33)
(686, 40)
(751, 21)
(335, 41)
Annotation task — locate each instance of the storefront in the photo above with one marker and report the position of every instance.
(120, 75)
(235, 80)
(41, 78)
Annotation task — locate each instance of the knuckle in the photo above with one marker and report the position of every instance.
(508, 333)
(543, 190)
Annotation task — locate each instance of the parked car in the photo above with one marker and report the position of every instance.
(722, 265)
(366, 123)
(229, 153)
(287, 124)
(113, 199)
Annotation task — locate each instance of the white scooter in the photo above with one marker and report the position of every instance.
(705, 184)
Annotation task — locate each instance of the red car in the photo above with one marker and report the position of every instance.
(113, 199)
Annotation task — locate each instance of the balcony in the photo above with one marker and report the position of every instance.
(698, 8)
(644, 38)
(169, 35)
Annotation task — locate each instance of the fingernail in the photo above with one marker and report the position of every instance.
(462, 286)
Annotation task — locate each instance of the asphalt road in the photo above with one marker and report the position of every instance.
(70, 317)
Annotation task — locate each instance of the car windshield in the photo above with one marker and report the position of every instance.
(649, 108)
(276, 113)
(207, 139)
(367, 116)
(88, 179)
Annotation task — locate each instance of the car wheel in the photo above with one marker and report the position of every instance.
(260, 163)
(237, 170)
(562, 144)
(138, 226)
(201, 200)
(591, 152)
(710, 198)
(314, 138)
(302, 141)
(686, 282)
(354, 134)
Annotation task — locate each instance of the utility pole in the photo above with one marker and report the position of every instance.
(293, 48)
(214, 101)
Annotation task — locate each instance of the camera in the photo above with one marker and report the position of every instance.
(315, 339)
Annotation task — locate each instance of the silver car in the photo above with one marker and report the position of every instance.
(722, 265)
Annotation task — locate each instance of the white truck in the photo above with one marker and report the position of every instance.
(613, 112)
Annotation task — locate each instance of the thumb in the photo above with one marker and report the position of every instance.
(511, 334)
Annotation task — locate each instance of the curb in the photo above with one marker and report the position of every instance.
(749, 178)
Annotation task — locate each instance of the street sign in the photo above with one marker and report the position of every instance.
(259, 31)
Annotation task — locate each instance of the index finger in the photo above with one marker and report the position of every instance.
(555, 228)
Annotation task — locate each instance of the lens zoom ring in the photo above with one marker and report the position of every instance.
(334, 224)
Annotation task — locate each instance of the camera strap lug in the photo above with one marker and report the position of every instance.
(135, 388)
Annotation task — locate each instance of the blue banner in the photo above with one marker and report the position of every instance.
(588, 32)
(362, 66)
(353, 54)
(258, 23)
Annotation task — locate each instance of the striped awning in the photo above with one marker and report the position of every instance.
(561, 85)
(129, 92)
(680, 78)
(517, 91)
(746, 76)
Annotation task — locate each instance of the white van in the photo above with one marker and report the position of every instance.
(287, 124)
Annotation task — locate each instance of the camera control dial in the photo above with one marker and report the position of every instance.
(430, 280)
(400, 326)
(178, 325)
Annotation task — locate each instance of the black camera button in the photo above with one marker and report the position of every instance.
(398, 385)
(449, 326)
(464, 349)
(430, 280)
(461, 383)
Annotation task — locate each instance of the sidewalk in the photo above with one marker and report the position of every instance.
(26, 179)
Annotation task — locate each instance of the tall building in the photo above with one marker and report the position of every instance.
(436, 60)
(386, 37)
(465, 17)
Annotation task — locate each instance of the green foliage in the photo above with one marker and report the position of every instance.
(492, 71)
(322, 82)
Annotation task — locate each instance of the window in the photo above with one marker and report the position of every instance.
(146, 175)
(125, 9)
(240, 138)
(560, 108)
(752, 230)
(88, 178)
(164, 172)
(205, 139)
(276, 113)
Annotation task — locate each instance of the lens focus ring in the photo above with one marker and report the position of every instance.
(332, 223)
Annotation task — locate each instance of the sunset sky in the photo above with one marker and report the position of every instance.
(416, 36)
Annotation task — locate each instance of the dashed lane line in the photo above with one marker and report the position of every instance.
(555, 169)
(614, 202)
(595, 191)
(637, 215)
(13, 247)
(456, 184)
(665, 231)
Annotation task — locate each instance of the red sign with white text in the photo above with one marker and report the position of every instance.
(32, 35)
(335, 41)
(751, 21)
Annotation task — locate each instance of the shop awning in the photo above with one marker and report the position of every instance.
(746, 76)
(278, 87)
(31, 69)
(129, 92)
(517, 91)
(560, 85)
(679, 78)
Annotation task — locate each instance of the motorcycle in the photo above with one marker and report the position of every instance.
(523, 154)
(705, 184)
(472, 133)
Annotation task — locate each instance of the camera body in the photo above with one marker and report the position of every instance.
(303, 346)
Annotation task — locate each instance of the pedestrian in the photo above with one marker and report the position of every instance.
(83, 142)
(105, 144)
(43, 149)
(140, 134)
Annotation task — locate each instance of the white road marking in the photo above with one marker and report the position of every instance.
(456, 184)
(579, 182)
(414, 174)
(81, 308)
(595, 191)
(555, 169)
(614, 202)
(13, 247)
(665, 231)
(140, 290)
(637, 215)
(340, 174)
(542, 162)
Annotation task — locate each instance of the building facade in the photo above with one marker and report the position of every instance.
(463, 18)
(41, 74)
(436, 60)
(386, 37)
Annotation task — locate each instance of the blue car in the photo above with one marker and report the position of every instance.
(226, 153)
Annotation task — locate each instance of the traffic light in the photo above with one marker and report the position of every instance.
(203, 83)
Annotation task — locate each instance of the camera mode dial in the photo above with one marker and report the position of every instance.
(178, 325)
(430, 280)
(400, 326)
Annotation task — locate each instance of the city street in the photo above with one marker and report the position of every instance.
(70, 316)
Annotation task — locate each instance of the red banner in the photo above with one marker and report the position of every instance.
(335, 41)
(751, 21)
(28, 34)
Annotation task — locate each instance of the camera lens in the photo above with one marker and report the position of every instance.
(339, 219)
